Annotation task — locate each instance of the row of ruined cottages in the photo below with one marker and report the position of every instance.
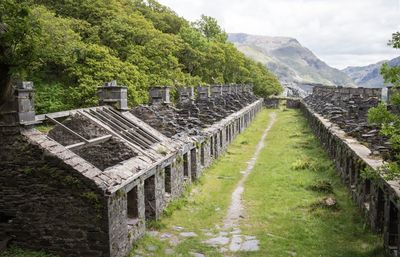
(84, 182)
(339, 118)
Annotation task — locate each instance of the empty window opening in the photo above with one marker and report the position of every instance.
(347, 170)
(167, 179)
(132, 199)
(193, 163)
(150, 198)
(185, 165)
(367, 187)
(202, 154)
(6, 218)
(393, 225)
(216, 144)
(353, 177)
(212, 146)
(367, 194)
(380, 210)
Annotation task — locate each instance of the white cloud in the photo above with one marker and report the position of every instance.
(341, 32)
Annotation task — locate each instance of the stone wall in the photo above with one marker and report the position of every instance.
(377, 198)
(47, 204)
(345, 93)
(348, 108)
(271, 102)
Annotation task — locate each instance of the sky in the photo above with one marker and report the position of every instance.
(340, 32)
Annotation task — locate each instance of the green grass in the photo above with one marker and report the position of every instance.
(283, 203)
(283, 198)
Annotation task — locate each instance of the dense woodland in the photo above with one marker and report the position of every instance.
(69, 48)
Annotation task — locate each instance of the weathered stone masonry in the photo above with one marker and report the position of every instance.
(87, 186)
(377, 197)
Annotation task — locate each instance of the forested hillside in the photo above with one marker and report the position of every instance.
(69, 48)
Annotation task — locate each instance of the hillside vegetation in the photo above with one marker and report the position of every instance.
(69, 48)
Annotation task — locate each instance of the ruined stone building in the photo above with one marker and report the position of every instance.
(84, 182)
(338, 117)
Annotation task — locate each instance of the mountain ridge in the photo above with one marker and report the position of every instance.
(369, 75)
(289, 60)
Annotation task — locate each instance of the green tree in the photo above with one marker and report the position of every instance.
(69, 48)
(162, 17)
(210, 28)
(389, 122)
(18, 34)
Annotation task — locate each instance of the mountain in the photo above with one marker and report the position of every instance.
(289, 60)
(369, 76)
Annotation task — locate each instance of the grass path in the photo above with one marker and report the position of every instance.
(235, 210)
(283, 198)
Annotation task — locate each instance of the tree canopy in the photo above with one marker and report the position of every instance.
(69, 48)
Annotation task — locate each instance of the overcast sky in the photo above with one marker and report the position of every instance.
(340, 32)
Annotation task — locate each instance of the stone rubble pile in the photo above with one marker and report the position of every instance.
(190, 116)
(348, 108)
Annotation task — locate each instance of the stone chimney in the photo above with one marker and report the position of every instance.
(203, 93)
(226, 89)
(114, 95)
(234, 89)
(186, 94)
(216, 91)
(160, 95)
(248, 88)
(240, 89)
(20, 110)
